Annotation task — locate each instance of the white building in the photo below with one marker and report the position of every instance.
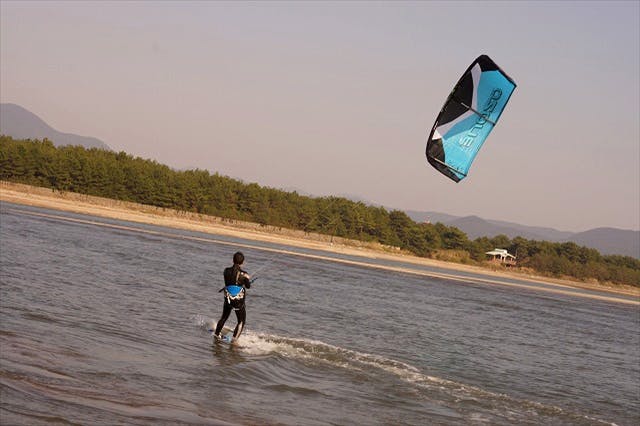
(502, 256)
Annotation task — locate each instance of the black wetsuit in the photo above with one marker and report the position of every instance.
(234, 275)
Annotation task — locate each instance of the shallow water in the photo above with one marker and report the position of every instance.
(104, 322)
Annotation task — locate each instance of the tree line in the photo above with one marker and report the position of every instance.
(120, 176)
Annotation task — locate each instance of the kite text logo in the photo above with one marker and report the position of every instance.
(467, 140)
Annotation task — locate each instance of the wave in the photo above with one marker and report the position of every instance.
(467, 399)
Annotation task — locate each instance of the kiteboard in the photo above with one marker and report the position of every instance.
(226, 334)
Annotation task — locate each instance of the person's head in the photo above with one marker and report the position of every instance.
(238, 258)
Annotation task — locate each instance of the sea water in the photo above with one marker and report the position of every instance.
(106, 322)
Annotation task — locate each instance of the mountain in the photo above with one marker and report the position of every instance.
(20, 123)
(606, 240)
(610, 241)
(430, 217)
(476, 227)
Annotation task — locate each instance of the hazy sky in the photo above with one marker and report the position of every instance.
(338, 98)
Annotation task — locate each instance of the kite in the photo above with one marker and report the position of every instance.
(467, 117)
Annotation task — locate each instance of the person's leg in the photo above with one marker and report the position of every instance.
(226, 310)
(242, 316)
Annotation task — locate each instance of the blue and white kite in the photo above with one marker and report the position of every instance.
(467, 117)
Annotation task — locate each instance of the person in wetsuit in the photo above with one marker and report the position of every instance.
(234, 277)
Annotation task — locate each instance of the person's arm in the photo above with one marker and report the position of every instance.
(245, 279)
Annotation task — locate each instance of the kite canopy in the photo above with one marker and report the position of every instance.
(467, 117)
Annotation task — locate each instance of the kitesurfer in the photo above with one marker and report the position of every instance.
(235, 282)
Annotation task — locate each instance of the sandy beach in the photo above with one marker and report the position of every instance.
(138, 213)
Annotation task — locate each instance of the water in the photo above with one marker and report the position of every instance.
(104, 325)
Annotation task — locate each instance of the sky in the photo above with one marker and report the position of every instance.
(338, 98)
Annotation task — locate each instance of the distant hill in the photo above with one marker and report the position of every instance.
(605, 240)
(430, 217)
(610, 241)
(19, 123)
(477, 227)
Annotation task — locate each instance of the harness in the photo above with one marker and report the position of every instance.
(234, 293)
(235, 296)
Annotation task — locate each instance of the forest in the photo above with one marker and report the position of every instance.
(121, 176)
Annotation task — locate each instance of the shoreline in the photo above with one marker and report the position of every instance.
(139, 213)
